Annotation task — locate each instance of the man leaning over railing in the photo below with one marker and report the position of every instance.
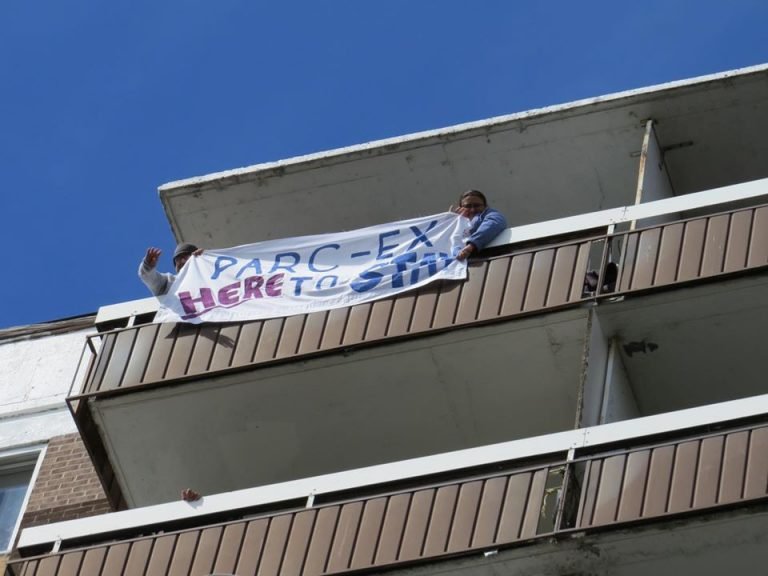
(159, 282)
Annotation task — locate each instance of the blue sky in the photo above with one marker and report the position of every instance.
(102, 102)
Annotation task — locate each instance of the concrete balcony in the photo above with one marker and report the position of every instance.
(603, 502)
(513, 352)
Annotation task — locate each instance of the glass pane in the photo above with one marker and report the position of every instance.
(13, 488)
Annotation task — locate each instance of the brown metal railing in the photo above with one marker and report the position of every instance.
(678, 476)
(501, 287)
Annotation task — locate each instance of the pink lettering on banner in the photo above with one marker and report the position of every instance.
(231, 294)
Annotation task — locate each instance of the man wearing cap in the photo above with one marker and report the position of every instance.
(159, 282)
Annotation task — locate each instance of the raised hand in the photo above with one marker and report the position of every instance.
(152, 256)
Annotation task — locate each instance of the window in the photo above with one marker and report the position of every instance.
(15, 476)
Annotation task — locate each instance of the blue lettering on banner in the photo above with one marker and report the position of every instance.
(314, 254)
(255, 264)
(332, 284)
(421, 237)
(381, 255)
(401, 264)
(368, 279)
(430, 262)
(298, 280)
(218, 268)
(278, 265)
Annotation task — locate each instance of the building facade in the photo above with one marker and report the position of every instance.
(591, 400)
(45, 472)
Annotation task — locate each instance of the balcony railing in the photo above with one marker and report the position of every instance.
(475, 513)
(498, 288)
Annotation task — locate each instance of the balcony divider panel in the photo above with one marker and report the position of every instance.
(340, 551)
(142, 348)
(116, 557)
(737, 251)
(378, 324)
(293, 331)
(271, 331)
(513, 512)
(630, 504)
(438, 522)
(681, 491)
(669, 254)
(334, 327)
(354, 331)
(367, 534)
(627, 264)
(102, 361)
(138, 558)
(320, 544)
(245, 346)
(49, 566)
(162, 552)
(471, 294)
(94, 560)
(488, 512)
(714, 246)
(538, 281)
(692, 249)
(609, 491)
(253, 547)
(645, 258)
(313, 332)
(231, 544)
(734, 464)
(447, 303)
(70, 564)
(415, 529)
(161, 353)
(659, 480)
(756, 481)
(758, 246)
(207, 548)
(118, 361)
(493, 289)
(708, 471)
(465, 516)
(424, 309)
(517, 284)
(562, 275)
(402, 312)
(181, 354)
(202, 353)
(392, 529)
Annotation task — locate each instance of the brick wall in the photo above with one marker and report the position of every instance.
(67, 486)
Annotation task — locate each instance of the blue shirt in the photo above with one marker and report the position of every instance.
(485, 227)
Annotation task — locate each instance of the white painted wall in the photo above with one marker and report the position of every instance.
(653, 181)
(619, 402)
(596, 360)
(35, 378)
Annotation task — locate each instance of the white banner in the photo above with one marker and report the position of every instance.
(291, 276)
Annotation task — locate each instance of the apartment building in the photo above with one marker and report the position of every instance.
(523, 421)
(39, 442)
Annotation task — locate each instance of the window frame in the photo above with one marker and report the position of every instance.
(25, 457)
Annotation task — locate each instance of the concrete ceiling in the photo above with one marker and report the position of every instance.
(534, 166)
(458, 390)
(703, 344)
